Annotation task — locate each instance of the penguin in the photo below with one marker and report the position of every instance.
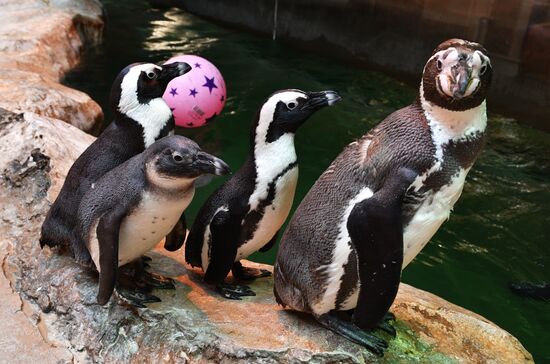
(383, 198)
(136, 204)
(245, 214)
(141, 117)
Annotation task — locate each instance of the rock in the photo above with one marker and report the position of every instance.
(192, 323)
(39, 42)
(26, 91)
(19, 334)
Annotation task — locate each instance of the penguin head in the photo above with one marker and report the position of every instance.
(139, 83)
(136, 96)
(176, 160)
(285, 111)
(457, 76)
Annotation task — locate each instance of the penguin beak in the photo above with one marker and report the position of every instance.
(173, 70)
(462, 75)
(317, 100)
(207, 163)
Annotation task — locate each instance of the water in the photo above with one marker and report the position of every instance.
(500, 229)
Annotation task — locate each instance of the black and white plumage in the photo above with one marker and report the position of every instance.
(245, 214)
(135, 205)
(141, 117)
(384, 197)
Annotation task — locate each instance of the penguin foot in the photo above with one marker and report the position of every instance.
(144, 261)
(82, 256)
(234, 291)
(137, 298)
(386, 325)
(353, 333)
(243, 273)
(387, 328)
(154, 280)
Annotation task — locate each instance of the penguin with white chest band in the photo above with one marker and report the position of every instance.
(141, 117)
(245, 214)
(135, 205)
(383, 198)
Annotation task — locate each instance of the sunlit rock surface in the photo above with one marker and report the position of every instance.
(39, 42)
(192, 323)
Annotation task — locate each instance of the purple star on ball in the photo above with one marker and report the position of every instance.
(173, 91)
(197, 65)
(222, 98)
(210, 83)
(193, 92)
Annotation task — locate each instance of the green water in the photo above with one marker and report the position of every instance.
(500, 229)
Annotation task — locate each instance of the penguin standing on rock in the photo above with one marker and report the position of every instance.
(245, 214)
(141, 117)
(383, 198)
(135, 205)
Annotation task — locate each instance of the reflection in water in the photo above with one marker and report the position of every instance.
(500, 228)
(162, 31)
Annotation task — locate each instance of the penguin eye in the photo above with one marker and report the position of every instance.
(151, 75)
(439, 65)
(178, 158)
(482, 69)
(291, 105)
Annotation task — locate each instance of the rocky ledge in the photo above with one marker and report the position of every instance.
(191, 324)
(39, 42)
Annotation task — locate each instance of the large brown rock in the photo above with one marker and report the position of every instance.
(39, 42)
(192, 323)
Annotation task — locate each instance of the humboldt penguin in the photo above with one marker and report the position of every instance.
(135, 205)
(245, 214)
(141, 117)
(383, 198)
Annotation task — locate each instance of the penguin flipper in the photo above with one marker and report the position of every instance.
(176, 237)
(107, 237)
(376, 231)
(270, 243)
(224, 228)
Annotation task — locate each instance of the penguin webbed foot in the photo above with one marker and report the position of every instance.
(243, 273)
(353, 333)
(142, 278)
(154, 280)
(234, 291)
(82, 256)
(386, 325)
(136, 297)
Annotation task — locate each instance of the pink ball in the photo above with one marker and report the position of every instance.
(198, 96)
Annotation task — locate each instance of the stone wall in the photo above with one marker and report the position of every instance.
(39, 42)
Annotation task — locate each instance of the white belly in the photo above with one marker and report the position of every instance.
(424, 224)
(429, 217)
(274, 215)
(149, 223)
